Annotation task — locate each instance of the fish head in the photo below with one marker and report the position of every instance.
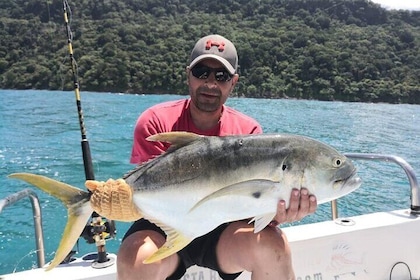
(321, 169)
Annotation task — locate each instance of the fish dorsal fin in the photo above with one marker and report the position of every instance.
(253, 188)
(176, 138)
(260, 222)
(175, 241)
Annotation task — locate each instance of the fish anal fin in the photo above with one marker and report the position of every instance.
(260, 222)
(175, 241)
(176, 138)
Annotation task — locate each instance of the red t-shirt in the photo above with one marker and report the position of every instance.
(175, 116)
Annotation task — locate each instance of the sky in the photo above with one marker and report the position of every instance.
(399, 4)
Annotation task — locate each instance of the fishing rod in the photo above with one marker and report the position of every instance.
(98, 230)
(87, 158)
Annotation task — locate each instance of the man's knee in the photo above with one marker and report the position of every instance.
(272, 243)
(239, 248)
(135, 249)
(140, 244)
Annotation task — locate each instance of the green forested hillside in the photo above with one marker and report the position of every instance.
(350, 50)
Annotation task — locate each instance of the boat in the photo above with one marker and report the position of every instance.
(380, 245)
(373, 246)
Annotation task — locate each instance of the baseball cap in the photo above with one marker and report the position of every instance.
(215, 47)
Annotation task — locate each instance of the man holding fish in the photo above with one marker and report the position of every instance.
(213, 201)
(230, 248)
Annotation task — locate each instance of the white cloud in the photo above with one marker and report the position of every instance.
(399, 4)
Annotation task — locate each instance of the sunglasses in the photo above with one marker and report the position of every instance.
(203, 72)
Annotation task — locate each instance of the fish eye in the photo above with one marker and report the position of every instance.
(337, 162)
(284, 166)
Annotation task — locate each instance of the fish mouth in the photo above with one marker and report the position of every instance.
(352, 181)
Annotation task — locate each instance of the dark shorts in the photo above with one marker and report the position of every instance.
(201, 251)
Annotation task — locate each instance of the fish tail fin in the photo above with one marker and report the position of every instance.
(78, 207)
(76, 221)
(68, 194)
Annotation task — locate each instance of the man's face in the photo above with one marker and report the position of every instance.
(210, 85)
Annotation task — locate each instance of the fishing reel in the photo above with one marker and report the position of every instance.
(98, 228)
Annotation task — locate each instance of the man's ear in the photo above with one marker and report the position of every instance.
(235, 79)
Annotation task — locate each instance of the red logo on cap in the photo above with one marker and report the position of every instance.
(220, 45)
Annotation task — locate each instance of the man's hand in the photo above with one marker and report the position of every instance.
(301, 204)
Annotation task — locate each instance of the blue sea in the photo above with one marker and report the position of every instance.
(40, 133)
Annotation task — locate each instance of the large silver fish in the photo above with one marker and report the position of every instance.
(202, 182)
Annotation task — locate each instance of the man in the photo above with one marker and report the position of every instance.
(231, 248)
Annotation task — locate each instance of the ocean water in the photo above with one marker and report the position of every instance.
(39, 133)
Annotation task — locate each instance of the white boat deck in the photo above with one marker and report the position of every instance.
(360, 247)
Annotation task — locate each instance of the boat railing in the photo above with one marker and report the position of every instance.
(36, 210)
(415, 197)
(409, 171)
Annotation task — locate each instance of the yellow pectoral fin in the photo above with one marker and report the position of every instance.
(256, 189)
(174, 242)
